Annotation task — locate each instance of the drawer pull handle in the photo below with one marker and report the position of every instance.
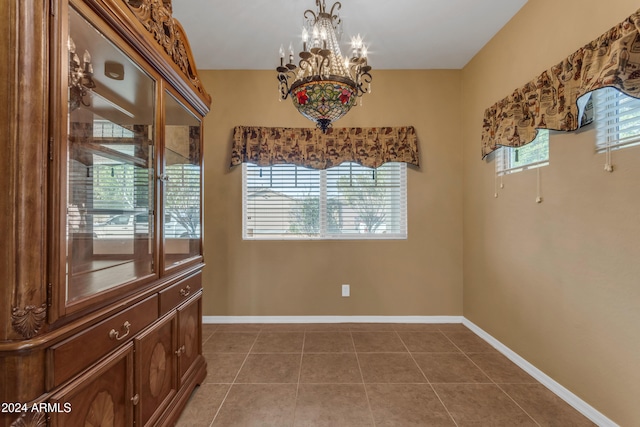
(135, 399)
(180, 351)
(185, 291)
(113, 334)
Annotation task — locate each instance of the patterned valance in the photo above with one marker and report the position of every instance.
(310, 147)
(550, 100)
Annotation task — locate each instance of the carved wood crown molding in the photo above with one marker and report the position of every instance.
(28, 321)
(156, 17)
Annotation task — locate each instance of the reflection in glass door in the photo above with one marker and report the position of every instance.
(182, 183)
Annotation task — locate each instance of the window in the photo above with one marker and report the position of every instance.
(532, 155)
(119, 190)
(344, 202)
(106, 129)
(617, 119)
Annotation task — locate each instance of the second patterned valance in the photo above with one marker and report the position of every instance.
(550, 100)
(310, 147)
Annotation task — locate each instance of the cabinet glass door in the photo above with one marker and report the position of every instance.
(109, 165)
(181, 183)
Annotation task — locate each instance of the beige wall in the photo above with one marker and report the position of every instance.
(557, 282)
(418, 276)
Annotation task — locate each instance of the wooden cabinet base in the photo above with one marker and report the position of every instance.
(146, 380)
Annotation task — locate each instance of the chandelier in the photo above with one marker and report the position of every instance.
(324, 85)
(80, 77)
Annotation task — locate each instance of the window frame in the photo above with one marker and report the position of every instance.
(324, 235)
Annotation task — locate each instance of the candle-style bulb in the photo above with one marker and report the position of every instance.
(71, 45)
(281, 51)
(356, 42)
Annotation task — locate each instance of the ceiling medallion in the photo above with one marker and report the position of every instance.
(324, 85)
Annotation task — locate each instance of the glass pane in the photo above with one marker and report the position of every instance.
(536, 151)
(110, 183)
(281, 201)
(181, 184)
(364, 201)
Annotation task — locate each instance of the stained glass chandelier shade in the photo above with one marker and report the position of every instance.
(324, 85)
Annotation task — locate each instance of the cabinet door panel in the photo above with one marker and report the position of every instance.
(156, 369)
(108, 197)
(101, 397)
(189, 336)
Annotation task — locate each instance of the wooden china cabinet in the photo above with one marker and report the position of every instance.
(100, 214)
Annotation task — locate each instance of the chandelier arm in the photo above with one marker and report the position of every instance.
(364, 80)
(82, 95)
(305, 65)
(326, 62)
(354, 72)
(335, 16)
(309, 11)
(283, 85)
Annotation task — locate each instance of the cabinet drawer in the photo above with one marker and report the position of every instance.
(71, 356)
(176, 294)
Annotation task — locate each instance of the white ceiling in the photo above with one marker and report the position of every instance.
(400, 34)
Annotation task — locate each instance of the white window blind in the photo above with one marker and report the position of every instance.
(345, 202)
(182, 201)
(532, 155)
(617, 119)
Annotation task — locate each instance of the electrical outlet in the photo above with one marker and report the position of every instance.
(346, 290)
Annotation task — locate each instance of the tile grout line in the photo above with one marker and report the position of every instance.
(427, 379)
(210, 335)
(517, 404)
(364, 385)
(234, 379)
(295, 401)
(490, 378)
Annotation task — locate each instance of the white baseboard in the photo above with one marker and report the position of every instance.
(580, 405)
(332, 319)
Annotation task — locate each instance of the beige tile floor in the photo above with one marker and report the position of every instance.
(365, 375)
